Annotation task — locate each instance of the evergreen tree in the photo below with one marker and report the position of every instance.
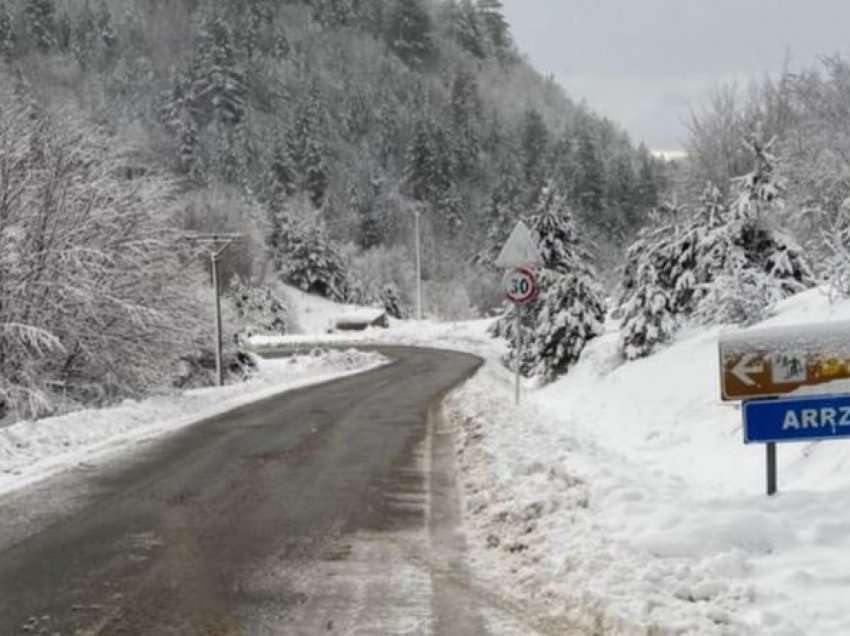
(391, 300)
(727, 263)
(570, 310)
(503, 211)
(258, 309)
(430, 163)
(648, 316)
(493, 19)
(105, 31)
(84, 35)
(40, 22)
(282, 168)
(306, 146)
(334, 13)
(218, 86)
(410, 32)
(7, 33)
(647, 180)
(468, 30)
(534, 146)
(466, 110)
(64, 32)
(306, 258)
(180, 116)
(590, 183)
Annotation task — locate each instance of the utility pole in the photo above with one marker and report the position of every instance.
(216, 245)
(416, 214)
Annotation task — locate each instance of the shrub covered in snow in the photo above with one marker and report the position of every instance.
(259, 311)
(307, 258)
(391, 299)
(96, 295)
(727, 263)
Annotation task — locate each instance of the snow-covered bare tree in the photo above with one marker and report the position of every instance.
(95, 284)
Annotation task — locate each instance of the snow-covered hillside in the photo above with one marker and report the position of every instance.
(623, 497)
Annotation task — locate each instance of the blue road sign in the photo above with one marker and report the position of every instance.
(797, 420)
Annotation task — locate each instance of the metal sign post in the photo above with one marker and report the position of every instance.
(519, 253)
(518, 337)
(216, 244)
(521, 290)
(771, 468)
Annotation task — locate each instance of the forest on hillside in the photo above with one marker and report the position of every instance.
(319, 130)
(315, 128)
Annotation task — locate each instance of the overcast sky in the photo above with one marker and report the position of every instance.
(645, 62)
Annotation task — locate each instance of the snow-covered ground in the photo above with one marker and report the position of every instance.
(310, 314)
(33, 450)
(622, 497)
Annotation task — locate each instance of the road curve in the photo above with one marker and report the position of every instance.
(329, 509)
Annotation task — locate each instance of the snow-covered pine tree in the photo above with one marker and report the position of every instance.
(40, 18)
(648, 316)
(306, 147)
(84, 35)
(493, 19)
(218, 84)
(727, 263)
(409, 31)
(105, 31)
(569, 311)
(180, 116)
(468, 29)
(258, 309)
(7, 33)
(661, 263)
(836, 241)
(307, 258)
(747, 256)
(391, 300)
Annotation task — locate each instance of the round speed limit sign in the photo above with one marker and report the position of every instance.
(522, 288)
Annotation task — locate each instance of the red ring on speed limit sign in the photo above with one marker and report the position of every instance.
(522, 286)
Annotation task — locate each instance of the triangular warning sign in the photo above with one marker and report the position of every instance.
(520, 250)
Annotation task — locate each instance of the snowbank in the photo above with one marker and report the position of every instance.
(623, 500)
(313, 314)
(32, 450)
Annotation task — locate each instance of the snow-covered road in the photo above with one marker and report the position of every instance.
(33, 450)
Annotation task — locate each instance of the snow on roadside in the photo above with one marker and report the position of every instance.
(621, 499)
(33, 450)
(311, 314)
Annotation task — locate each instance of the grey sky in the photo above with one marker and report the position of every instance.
(645, 62)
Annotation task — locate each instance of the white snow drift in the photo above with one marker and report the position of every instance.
(623, 498)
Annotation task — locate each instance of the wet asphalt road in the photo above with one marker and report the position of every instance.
(328, 510)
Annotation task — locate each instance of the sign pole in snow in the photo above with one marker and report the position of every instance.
(520, 253)
(518, 309)
(771, 468)
(218, 244)
(418, 268)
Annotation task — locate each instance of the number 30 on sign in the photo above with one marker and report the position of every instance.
(521, 286)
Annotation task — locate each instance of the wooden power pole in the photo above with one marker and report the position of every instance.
(216, 245)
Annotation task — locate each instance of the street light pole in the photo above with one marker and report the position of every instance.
(418, 267)
(219, 373)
